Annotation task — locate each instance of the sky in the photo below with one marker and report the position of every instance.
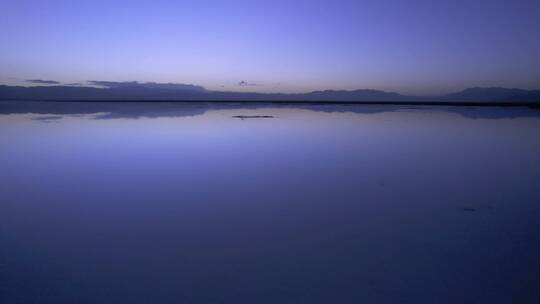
(414, 47)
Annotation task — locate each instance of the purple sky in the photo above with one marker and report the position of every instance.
(413, 47)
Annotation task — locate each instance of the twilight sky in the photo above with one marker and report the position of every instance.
(413, 47)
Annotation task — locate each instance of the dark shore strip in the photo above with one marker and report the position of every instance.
(252, 116)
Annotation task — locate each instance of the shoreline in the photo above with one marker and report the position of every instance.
(533, 105)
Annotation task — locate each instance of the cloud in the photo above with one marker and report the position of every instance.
(41, 81)
(47, 119)
(113, 84)
(148, 85)
(244, 83)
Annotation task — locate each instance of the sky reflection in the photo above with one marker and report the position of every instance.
(315, 205)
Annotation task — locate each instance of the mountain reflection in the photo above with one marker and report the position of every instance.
(135, 110)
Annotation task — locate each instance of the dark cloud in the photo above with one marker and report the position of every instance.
(244, 83)
(112, 84)
(150, 85)
(48, 119)
(41, 81)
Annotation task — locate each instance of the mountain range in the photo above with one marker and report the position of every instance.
(135, 91)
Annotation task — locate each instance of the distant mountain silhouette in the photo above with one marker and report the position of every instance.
(135, 91)
(357, 95)
(493, 94)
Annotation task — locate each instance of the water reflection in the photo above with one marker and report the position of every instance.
(111, 110)
(319, 204)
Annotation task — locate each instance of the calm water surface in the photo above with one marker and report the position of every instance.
(184, 203)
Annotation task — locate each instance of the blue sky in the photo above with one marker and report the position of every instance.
(414, 47)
